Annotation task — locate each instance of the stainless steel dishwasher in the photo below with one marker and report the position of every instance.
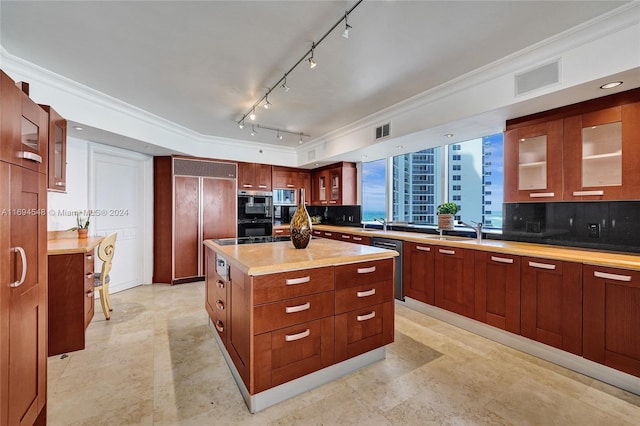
(391, 244)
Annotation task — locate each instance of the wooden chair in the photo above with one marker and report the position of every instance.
(101, 279)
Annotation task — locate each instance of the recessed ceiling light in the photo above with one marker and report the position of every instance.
(611, 85)
(448, 135)
(399, 146)
(77, 128)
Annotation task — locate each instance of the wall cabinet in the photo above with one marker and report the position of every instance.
(585, 151)
(612, 318)
(533, 162)
(334, 185)
(71, 300)
(552, 303)
(23, 257)
(418, 271)
(57, 165)
(194, 200)
(454, 280)
(254, 177)
(497, 278)
(289, 178)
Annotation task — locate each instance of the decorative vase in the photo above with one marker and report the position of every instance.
(82, 233)
(445, 221)
(301, 224)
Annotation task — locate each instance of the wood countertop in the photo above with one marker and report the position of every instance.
(72, 245)
(585, 256)
(271, 258)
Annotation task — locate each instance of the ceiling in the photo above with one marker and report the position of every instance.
(203, 64)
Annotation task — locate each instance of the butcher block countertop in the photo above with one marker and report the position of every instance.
(585, 256)
(270, 258)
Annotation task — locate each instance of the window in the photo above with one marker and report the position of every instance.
(374, 189)
(456, 187)
(457, 167)
(457, 198)
(455, 177)
(456, 157)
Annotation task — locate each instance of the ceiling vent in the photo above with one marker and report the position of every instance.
(538, 78)
(383, 131)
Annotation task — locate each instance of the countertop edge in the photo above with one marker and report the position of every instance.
(72, 245)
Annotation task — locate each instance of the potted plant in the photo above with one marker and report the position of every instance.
(446, 213)
(83, 225)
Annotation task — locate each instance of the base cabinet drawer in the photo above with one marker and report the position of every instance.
(360, 297)
(293, 352)
(363, 330)
(286, 313)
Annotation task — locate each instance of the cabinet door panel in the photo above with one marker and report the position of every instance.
(363, 330)
(218, 200)
(552, 303)
(418, 271)
(612, 317)
(186, 193)
(498, 290)
(239, 327)
(454, 286)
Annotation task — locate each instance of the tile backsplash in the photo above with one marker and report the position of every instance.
(608, 225)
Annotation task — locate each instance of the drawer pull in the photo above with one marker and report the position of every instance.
(587, 193)
(614, 277)
(366, 316)
(366, 293)
(328, 234)
(89, 275)
(298, 336)
(220, 305)
(501, 259)
(346, 237)
(220, 326)
(443, 251)
(247, 185)
(422, 248)
(59, 183)
(290, 185)
(262, 186)
(90, 294)
(357, 238)
(299, 308)
(279, 231)
(542, 265)
(301, 280)
(89, 257)
(367, 270)
(30, 156)
(542, 195)
(220, 283)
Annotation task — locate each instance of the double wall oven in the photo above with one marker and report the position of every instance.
(255, 213)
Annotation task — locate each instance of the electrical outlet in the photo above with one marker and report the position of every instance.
(594, 230)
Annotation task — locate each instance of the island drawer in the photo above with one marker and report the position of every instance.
(293, 352)
(363, 330)
(349, 299)
(285, 285)
(357, 274)
(286, 313)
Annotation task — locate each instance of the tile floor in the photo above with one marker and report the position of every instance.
(156, 363)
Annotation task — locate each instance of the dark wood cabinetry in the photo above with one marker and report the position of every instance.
(334, 185)
(342, 236)
(23, 261)
(254, 176)
(552, 303)
(454, 280)
(290, 178)
(497, 278)
(57, 166)
(585, 151)
(71, 300)
(194, 200)
(612, 317)
(418, 271)
(217, 299)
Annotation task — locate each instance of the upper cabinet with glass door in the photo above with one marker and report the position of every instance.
(533, 162)
(602, 154)
(57, 169)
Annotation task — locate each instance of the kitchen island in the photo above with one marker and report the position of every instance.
(288, 320)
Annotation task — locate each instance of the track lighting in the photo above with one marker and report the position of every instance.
(279, 136)
(345, 33)
(300, 142)
(312, 62)
(308, 56)
(253, 131)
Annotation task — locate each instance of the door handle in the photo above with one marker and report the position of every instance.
(23, 257)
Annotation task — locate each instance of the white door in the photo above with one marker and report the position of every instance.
(119, 198)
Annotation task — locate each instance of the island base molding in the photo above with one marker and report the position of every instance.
(275, 395)
(548, 353)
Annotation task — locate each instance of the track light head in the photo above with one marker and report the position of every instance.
(253, 131)
(312, 62)
(253, 114)
(267, 104)
(284, 84)
(347, 27)
(241, 124)
(300, 142)
(279, 136)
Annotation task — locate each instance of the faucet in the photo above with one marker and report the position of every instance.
(383, 222)
(477, 227)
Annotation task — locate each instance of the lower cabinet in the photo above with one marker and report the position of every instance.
(363, 330)
(552, 303)
(418, 271)
(497, 278)
(216, 302)
(454, 280)
(71, 301)
(612, 317)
